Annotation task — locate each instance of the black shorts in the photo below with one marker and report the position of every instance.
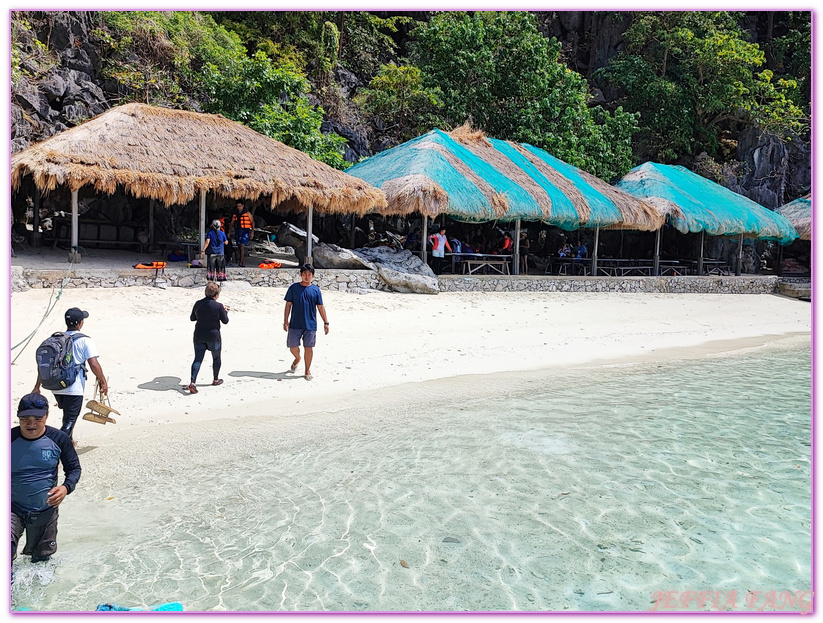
(41, 533)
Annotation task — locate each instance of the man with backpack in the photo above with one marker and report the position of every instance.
(61, 367)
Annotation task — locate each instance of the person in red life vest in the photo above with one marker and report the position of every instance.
(508, 245)
(439, 245)
(243, 225)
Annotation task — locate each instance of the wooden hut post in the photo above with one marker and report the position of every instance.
(516, 256)
(202, 220)
(739, 267)
(35, 234)
(424, 238)
(309, 218)
(779, 267)
(700, 257)
(594, 251)
(151, 221)
(74, 256)
(656, 269)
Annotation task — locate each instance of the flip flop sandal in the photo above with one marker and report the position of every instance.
(217, 382)
(294, 366)
(192, 388)
(309, 377)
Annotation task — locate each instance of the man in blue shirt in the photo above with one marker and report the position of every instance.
(36, 450)
(303, 300)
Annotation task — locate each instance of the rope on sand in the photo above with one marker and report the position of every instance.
(49, 307)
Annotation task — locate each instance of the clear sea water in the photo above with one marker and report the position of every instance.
(588, 489)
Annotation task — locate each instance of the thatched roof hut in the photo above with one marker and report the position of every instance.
(696, 204)
(799, 213)
(473, 178)
(172, 155)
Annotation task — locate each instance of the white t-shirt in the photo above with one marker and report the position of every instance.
(441, 246)
(83, 349)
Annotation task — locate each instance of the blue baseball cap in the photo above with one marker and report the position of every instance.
(33, 404)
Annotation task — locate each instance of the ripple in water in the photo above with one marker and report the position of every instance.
(591, 493)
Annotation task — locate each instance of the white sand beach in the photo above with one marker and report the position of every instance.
(380, 348)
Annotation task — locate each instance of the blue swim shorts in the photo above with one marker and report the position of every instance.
(242, 236)
(295, 335)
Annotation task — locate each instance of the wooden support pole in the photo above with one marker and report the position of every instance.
(516, 256)
(594, 251)
(202, 220)
(309, 219)
(424, 238)
(739, 268)
(35, 234)
(779, 267)
(75, 228)
(700, 257)
(352, 230)
(656, 269)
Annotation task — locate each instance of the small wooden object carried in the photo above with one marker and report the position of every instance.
(99, 409)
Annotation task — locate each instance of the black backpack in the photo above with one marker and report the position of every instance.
(56, 367)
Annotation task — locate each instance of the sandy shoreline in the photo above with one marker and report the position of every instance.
(382, 347)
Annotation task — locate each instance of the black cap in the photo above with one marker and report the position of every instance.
(33, 404)
(74, 316)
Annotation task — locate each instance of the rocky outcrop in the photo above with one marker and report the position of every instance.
(62, 89)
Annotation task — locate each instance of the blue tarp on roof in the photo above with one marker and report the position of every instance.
(703, 205)
(478, 190)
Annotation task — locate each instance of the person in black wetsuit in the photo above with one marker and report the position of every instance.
(36, 450)
(208, 314)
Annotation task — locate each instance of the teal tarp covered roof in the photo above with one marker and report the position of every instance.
(694, 204)
(473, 178)
(799, 213)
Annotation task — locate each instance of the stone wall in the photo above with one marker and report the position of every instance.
(362, 280)
(342, 280)
(745, 284)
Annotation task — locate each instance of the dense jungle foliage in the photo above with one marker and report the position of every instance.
(679, 84)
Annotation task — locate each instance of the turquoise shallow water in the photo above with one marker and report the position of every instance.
(591, 489)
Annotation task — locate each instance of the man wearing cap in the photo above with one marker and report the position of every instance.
(36, 450)
(70, 399)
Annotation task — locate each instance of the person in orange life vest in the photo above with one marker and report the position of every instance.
(243, 225)
(508, 244)
(439, 245)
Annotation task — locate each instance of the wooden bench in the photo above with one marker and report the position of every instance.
(501, 266)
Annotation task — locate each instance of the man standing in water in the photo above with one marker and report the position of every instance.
(303, 299)
(36, 450)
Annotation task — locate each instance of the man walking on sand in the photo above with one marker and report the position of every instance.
(36, 450)
(303, 299)
(70, 399)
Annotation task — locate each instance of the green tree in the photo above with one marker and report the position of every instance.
(271, 99)
(397, 95)
(496, 70)
(692, 76)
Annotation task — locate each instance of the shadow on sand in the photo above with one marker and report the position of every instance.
(272, 376)
(164, 384)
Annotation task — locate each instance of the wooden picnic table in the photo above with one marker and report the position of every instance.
(472, 262)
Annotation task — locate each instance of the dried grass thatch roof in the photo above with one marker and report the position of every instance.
(470, 177)
(171, 155)
(799, 213)
(697, 204)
